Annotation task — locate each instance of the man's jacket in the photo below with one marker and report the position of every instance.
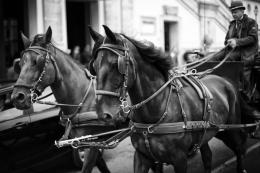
(246, 33)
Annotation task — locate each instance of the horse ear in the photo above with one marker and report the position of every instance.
(95, 35)
(26, 41)
(48, 35)
(110, 34)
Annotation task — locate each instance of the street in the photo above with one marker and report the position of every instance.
(120, 160)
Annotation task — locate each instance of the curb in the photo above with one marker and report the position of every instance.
(221, 168)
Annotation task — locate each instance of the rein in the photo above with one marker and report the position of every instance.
(201, 61)
(38, 100)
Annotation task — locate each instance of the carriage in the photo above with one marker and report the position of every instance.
(158, 138)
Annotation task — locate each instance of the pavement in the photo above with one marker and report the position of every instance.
(252, 161)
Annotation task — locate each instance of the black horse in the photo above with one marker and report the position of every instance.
(42, 64)
(123, 64)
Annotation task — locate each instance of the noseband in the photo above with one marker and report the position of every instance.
(123, 63)
(48, 58)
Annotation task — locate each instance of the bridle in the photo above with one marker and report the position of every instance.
(123, 63)
(36, 89)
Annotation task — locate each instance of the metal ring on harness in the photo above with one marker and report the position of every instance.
(75, 144)
(150, 129)
(34, 96)
(125, 107)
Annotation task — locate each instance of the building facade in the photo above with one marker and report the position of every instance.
(173, 25)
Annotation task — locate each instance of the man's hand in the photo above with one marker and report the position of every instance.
(232, 42)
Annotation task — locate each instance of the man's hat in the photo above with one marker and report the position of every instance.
(236, 5)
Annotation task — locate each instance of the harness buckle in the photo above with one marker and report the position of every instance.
(124, 106)
(150, 129)
(145, 133)
(34, 96)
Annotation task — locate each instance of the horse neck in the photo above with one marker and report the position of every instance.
(148, 81)
(74, 84)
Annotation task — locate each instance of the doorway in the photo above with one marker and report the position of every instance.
(79, 17)
(14, 18)
(170, 36)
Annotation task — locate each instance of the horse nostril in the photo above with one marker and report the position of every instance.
(107, 116)
(20, 97)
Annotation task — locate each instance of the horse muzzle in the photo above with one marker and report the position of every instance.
(21, 100)
(114, 120)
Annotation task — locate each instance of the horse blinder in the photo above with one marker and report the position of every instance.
(17, 68)
(122, 64)
(40, 61)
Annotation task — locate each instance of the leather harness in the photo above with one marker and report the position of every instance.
(159, 127)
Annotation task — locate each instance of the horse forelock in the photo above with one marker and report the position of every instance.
(154, 55)
(39, 40)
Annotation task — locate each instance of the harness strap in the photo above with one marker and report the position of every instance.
(89, 75)
(148, 146)
(207, 97)
(84, 117)
(184, 115)
(205, 72)
(199, 62)
(150, 128)
(195, 86)
(87, 141)
(104, 92)
(118, 47)
(171, 128)
(69, 124)
(138, 105)
(109, 143)
(179, 127)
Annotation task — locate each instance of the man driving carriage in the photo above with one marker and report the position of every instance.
(241, 43)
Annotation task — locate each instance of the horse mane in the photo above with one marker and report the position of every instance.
(154, 55)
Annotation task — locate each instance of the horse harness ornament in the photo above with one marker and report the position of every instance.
(175, 84)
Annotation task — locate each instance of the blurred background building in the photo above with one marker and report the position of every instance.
(173, 25)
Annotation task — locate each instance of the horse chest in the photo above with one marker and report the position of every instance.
(158, 147)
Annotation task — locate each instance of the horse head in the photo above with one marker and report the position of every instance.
(114, 69)
(124, 65)
(36, 69)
